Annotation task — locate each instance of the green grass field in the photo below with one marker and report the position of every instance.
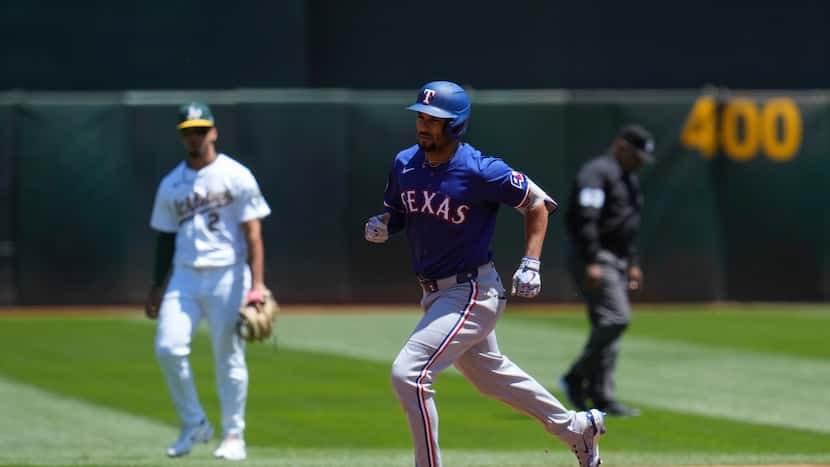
(717, 385)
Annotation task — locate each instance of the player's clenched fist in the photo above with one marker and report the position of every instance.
(376, 229)
(527, 282)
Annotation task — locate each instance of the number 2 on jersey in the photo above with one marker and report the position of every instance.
(213, 219)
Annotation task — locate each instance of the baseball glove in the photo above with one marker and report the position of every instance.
(256, 318)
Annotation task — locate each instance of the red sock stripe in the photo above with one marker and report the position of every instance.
(433, 461)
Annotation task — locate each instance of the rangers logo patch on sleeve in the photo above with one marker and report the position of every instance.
(518, 180)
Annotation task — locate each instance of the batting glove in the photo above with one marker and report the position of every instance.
(376, 230)
(527, 282)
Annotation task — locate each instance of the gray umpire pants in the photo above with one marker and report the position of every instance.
(609, 312)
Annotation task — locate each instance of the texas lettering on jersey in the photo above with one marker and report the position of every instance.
(449, 211)
(435, 204)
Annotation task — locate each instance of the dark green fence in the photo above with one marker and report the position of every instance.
(735, 205)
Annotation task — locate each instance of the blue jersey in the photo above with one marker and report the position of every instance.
(449, 211)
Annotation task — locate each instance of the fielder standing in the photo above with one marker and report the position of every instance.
(603, 220)
(446, 195)
(207, 212)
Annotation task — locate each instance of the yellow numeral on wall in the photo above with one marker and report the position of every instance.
(781, 143)
(739, 129)
(700, 130)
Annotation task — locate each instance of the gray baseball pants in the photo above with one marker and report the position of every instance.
(458, 328)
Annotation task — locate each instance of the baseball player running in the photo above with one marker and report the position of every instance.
(207, 211)
(446, 195)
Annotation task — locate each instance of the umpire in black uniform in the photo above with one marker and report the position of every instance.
(603, 218)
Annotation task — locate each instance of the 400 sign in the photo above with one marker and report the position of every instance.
(743, 127)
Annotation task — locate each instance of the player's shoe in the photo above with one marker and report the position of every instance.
(586, 446)
(231, 448)
(201, 433)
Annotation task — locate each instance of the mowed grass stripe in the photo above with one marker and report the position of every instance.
(321, 400)
(45, 429)
(759, 388)
(38, 426)
(754, 387)
(781, 329)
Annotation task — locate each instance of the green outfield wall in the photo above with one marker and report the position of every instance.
(735, 205)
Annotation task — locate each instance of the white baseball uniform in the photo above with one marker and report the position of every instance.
(210, 279)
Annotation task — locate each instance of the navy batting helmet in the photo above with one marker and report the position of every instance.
(444, 99)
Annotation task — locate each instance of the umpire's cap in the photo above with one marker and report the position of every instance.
(445, 99)
(641, 139)
(194, 114)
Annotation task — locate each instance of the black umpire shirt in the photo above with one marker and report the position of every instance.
(604, 210)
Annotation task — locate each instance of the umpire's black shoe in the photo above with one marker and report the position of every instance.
(618, 410)
(574, 391)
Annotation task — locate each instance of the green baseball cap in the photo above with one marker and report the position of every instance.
(194, 114)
